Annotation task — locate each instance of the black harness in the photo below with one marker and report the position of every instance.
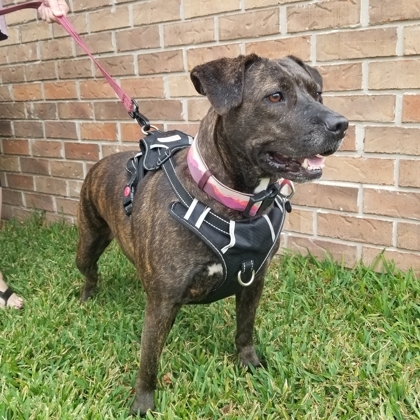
(242, 247)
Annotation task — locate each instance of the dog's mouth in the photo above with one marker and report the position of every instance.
(297, 169)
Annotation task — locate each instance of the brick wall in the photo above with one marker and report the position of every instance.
(58, 116)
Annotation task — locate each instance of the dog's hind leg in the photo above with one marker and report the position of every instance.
(246, 307)
(94, 236)
(158, 321)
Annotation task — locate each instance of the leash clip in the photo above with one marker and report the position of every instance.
(140, 118)
(266, 198)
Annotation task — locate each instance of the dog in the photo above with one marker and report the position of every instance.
(266, 122)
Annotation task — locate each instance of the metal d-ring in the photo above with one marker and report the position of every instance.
(245, 284)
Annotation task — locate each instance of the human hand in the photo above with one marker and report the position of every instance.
(50, 9)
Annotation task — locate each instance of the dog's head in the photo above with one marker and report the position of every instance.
(273, 112)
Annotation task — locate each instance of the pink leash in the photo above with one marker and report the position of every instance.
(129, 104)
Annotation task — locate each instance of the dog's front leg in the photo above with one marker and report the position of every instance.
(158, 321)
(246, 307)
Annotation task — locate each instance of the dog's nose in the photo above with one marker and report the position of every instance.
(336, 124)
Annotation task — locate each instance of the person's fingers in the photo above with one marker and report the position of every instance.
(50, 9)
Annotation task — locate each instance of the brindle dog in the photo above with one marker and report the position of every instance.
(266, 120)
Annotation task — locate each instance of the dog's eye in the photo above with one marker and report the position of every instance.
(276, 97)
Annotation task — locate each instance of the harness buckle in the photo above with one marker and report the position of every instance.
(266, 198)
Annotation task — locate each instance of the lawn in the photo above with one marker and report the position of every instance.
(339, 343)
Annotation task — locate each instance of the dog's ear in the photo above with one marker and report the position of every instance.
(314, 73)
(222, 81)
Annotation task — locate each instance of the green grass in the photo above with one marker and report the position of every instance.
(340, 344)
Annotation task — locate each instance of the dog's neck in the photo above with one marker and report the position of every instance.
(223, 162)
(230, 189)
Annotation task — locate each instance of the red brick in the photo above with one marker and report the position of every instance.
(191, 128)
(411, 37)
(21, 17)
(42, 71)
(82, 5)
(74, 188)
(5, 128)
(65, 169)
(39, 202)
(161, 62)
(408, 236)
(75, 69)
(323, 14)
(41, 111)
(5, 95)
(411, 106)
(359, 169)
(27, 92)
(394, 74)
(28, 129)
(194, 8)
(299, 46)
(60, 90)
(9, 163)
(322, 249)
(14, 198)
(356, 229)
(130, 131)
(147, 12)
(138, 38)
(409, 173)
(146, 87)
(300, 221)
(98, 131)
(109, 18)
(121, 65)
(342, 77)
(96, 89)
(35, 31)
(197, 109)
(97, 43)
(15, 147)
(389, 11)
(326, 196)
(383, 140)
(35, 166)
(14, 36)
(12, 74)
(392, 203)
(357, 44)
(81, 151)
(349, 141)
(75, 110)
(60, 130)
(49, 185)
(56, 48)
(191, 32)
(20, 182)
(168, 109)
(376, 108)
(244, 25)
(22, 53)
(197, 56)
(110, 111)
(181, 86)
(67, 206)
(12, 111)
(47, 148)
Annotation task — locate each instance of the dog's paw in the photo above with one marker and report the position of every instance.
(248, 357)
(142, 404)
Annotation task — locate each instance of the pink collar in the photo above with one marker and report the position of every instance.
(214, 188)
